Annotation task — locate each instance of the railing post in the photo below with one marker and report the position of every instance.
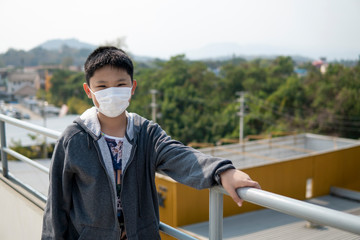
(215, 215)
(3, 153)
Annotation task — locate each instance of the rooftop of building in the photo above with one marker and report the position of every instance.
(271, 150)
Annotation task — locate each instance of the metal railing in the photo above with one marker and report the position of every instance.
(290, 206)
(52, 134)
(300, 209)
(5, 151)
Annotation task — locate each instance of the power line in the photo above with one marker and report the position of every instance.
(346, 128)
(348, 119)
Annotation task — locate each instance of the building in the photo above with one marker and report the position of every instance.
(3, 80)
(23, 84)
(4, 95)
(321, 64)
(300, 166)
(300, 72)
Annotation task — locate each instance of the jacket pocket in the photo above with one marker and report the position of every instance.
(94, 233)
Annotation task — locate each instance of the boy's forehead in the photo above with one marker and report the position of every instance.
(108, 73)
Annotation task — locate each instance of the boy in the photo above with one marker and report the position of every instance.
(103, 167)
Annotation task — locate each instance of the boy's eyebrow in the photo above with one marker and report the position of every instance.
(103, 81)
(122, 80)
(100, 81)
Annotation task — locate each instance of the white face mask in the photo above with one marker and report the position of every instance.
(113, 101)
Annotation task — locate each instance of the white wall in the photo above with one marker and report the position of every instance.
(19, 218)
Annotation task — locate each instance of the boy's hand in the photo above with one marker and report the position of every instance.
(233, 179)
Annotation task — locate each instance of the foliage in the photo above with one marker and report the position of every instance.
(77, 106)
(198, 102)
(67, 88)
(33, 152)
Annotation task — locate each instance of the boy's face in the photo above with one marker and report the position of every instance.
(107, 77)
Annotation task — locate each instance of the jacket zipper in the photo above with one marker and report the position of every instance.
(131, 159)
(109, 181)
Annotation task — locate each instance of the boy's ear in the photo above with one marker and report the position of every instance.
(87, 90)
(133, 87)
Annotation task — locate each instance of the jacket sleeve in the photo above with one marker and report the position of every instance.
(185, 164)
(56, 214)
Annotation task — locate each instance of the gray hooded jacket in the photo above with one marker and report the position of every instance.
(82, 201)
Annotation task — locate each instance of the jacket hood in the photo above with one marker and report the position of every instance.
(90, 123)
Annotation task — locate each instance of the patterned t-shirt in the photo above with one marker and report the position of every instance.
(116, 147)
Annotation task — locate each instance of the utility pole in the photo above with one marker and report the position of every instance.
(153, 103)
(44, 107)
(242, 115)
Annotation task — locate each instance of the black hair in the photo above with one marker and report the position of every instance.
(107, 56)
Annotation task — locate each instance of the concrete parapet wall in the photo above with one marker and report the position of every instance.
(19, 218)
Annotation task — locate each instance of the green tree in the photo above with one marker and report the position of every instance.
(67, 88)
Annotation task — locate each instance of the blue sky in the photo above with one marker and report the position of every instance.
(163, 28)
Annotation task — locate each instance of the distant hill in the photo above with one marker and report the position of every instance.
(55, 52)
(64, 55)
(74, 52)
(57, 44)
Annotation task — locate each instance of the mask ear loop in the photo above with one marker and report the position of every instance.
(97, 108)
(91, 91)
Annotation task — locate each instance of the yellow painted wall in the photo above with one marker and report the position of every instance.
(168, 214)
(340, 168)
(184, 205)
(196, 204)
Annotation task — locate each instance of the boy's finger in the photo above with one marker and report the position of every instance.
(236, 198)
(248, 183)
(239, 203)
(254, 184)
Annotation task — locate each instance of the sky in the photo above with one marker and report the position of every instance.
(164, 28)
